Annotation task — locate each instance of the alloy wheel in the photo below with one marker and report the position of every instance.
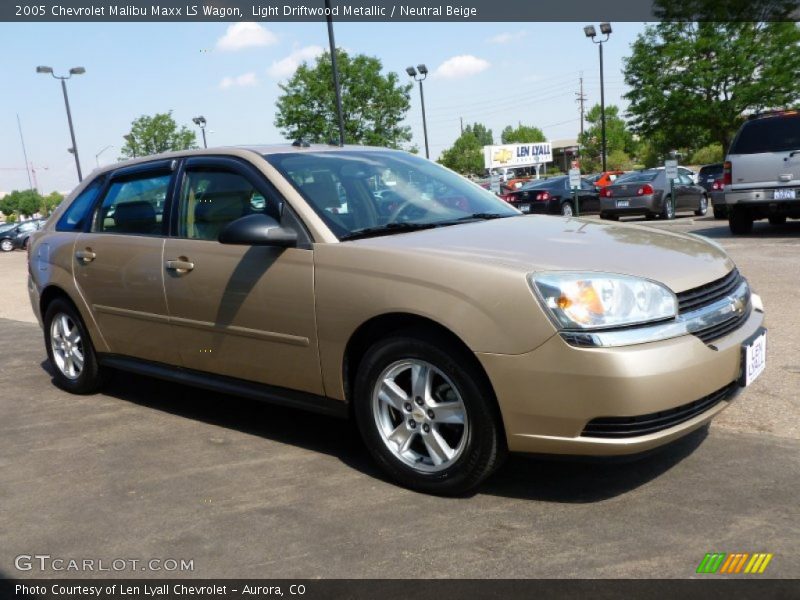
(420, 415)
(67, 346)
(6, 245)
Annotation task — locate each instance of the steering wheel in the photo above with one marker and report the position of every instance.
(406, 212)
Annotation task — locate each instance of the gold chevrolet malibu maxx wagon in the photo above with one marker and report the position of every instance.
(371, 283)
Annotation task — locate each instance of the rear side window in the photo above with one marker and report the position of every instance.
(770, 134)
(641, 177)
(133, 206)
(74, 218)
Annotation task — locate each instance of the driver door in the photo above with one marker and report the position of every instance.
(240, 311)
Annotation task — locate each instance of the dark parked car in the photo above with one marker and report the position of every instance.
(647, 193)
(710, 178)
(15, 235)
(554, 197)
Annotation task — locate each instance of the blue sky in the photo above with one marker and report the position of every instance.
(495, 73)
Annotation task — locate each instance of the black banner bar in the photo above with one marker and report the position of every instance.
(712, 588)
(401, 11)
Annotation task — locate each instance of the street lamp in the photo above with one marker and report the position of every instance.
(605, 29)
(97, 156)
(72, 71)
(422, 71)
(201, 123)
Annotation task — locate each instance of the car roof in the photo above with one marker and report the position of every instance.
(261, 149)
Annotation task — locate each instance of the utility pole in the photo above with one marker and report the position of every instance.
(581, 98)
(24, 152)
(462, 125)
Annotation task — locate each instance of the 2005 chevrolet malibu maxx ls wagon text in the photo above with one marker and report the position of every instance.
(373, 283)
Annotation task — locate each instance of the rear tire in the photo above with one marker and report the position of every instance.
(703, 208)
(567, 210)
(70, 349)
(777, 220)
(720, 212)
(740, 221)
(668, 211)
(446, 453)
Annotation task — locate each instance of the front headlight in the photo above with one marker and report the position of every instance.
(600, 300)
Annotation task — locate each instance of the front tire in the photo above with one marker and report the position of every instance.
(428, 419)
(70, 349)
(777, 220)
(740, 221)
(6, 245)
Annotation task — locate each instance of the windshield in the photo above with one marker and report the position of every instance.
(637, 177)
(365, 192)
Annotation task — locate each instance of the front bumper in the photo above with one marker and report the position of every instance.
(548, 396)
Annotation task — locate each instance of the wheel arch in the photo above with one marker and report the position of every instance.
(386, 324)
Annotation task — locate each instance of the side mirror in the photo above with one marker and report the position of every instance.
(258, 230)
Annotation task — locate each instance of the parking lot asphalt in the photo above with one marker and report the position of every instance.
(154, 470)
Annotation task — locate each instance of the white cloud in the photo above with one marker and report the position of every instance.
(506, 37)
(244, 80)
(286, 66)
(461, 66)
(246, 35)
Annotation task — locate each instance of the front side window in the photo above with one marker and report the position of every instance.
(133, 206)
(210, 199)
(76, 215)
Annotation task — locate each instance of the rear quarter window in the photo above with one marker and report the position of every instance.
(770, 134)
(76, 215)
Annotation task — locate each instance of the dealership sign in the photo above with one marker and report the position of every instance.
(517, 155)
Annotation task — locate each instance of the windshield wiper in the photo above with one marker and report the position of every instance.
(484, 216)
(387, 229)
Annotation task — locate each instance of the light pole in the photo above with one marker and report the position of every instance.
(201, 123)
(97, 156)
(72, 71)
(337, 90)
(605, 29)
(422, 71)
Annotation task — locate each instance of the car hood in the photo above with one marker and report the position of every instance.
(541, 243)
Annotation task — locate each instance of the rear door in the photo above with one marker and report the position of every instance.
(766, 153)
(240, 311)
(117, 263)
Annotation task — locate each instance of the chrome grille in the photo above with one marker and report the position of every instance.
(709, 293)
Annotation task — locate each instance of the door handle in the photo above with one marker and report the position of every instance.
(180, 265)
(85, 256)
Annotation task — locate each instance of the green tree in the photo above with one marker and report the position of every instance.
(618, 138)
(159, 133)
(482, 133)
(712, 153)
(692, 83)
(21, 202)
(522, 134)
(50, 202)
(374, 105)
(465, 156)
(619, 160)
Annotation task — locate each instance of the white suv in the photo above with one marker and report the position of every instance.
(762, 171)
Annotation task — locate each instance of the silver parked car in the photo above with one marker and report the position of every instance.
(648, 193)
(762, 171)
